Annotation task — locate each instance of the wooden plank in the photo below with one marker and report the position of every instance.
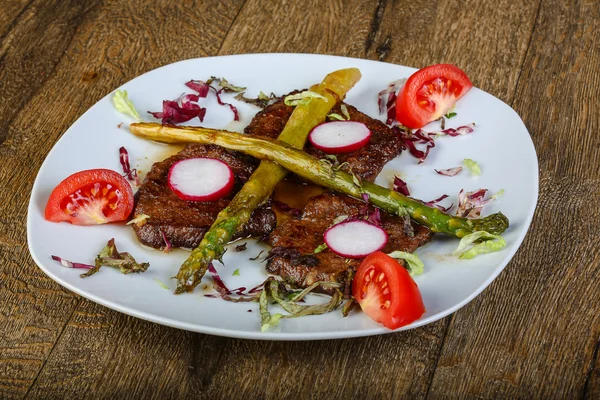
(62, 58)
(12, 11)
(105, 354)
(534, 332)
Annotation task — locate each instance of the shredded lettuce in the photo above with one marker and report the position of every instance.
(489, 244)
(139, 219)
(345, 112)
(336, 116)
(415, 265)
(302, 98)
(124, 105)
(161, 284)
(320, 248)
(236, 272)
(499, 193)
(472, 166)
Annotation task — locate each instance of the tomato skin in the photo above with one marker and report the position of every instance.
(90, 197)
(430, 93)
(392, 299)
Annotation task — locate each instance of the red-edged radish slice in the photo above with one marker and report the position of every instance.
(355, 239)
(340, 136)
(200, 179)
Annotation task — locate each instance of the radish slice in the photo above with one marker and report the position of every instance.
(355, 239)
(200, 179)
(340, 136)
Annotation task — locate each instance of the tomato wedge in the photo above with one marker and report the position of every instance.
(91, 197)
(386, 292)
(430, 93)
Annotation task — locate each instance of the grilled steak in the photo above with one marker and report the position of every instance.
(366, 162)
(185, 222)
(302, 236)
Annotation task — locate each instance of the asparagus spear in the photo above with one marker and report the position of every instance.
(321, 173)
(259, 187)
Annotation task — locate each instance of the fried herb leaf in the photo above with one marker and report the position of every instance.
(289, 302)
(109, 256)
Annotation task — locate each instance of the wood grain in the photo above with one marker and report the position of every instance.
(533, 334)
(62, 58)
(539, 324)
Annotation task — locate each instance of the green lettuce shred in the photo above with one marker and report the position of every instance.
(472, 166)
(302, 98)
(124, 105)
(320, 248)
(236, 272)
(415, 265)
(336, 116)
(500, 193)
(489, 244)
(161, 284)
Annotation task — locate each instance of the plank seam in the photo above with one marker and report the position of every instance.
(375, 24)
(62, 331)
(588, 375)
(437, 359)
(533, 28)
(230, 26)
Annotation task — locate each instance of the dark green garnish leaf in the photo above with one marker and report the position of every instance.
(109, 256)
(450, 115)
(227, 87)
(261, 101)
(256, 258)
(289, 302)
(241, 247)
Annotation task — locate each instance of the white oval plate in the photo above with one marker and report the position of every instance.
(501, 145)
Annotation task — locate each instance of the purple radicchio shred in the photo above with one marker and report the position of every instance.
(236, 116)
(433, 203)
(295, 212)
(386, 100)
(422, 137)
(400, 186)
(470, 204)
(199, 86)
(242, 294)
(410, 141)
(460, 131)
(367, 213)
(449, 172)
(130, 174)
(181, 110)
(168, 245)
(70, 264)
(203, 88)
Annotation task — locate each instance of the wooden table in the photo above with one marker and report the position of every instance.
(534, 333)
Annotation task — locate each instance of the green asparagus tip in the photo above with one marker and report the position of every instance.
(494, 224)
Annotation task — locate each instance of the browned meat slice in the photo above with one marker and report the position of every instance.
(296, 237)
(366, 162)
(185, 222)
